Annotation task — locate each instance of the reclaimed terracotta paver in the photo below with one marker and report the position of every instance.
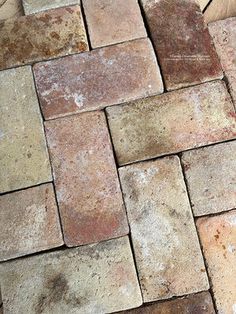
(162, 229)
(10, 9)
(224, 37)
(29, 222)
(200, 303)
(111, 22)
(218, 238)
(172, 122)
(98, 278)
(94, 80)
(23, 154)
(183, 45)
(211, 178)
(35, 6)
(87, 186)
(42, 36)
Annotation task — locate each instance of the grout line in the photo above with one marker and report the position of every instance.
(206, 7)
(24, 188)
(153, 46)
(176, 153)
(199, 239)
(126, 212)
(209, 215)
(49, 158)
(84, 19)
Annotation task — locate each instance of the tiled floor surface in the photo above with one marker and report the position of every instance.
(117, 158)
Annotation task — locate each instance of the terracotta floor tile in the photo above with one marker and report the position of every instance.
(111, 22)
(183, 45)
(10, 9)
(172, 122)
(220, 10)
(87, 186)
(23, 154)
(224, 37)
(162, 230)
(42, 36)
(97, 79)
(32, 6)
(218, 238)
(29, 222)
(211, 178)
(99, 278)
(200, 303)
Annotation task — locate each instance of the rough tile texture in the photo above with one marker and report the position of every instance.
(203, 3)
(220, 10)
(97, 79)
(29, 222)
(42, 36)
(87, 185)
(23, 153)
(111, 22)
(200, 303)
(218, 237)
(9, 9)
(172, 122)
(35, 6)
(211, 178)
(162, 230)
(97, 279)
(224, 37)
(184, 46)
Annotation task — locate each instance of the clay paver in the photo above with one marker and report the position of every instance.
(162, 229)
(172, 122)
(10, 9)
(23, 154)
(224, 37)
(218, 238)
(42, 36)
(97, 279)
(29, 222)
(220, 10)
(102, 77)
(113, 21)
(183, 45)
(35, 6)
(211, 178)
(87, 186)
(200, 303)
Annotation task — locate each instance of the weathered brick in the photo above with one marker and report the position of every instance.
(162, 229)
(98, 278)
(172, 122)
(200, 303)
(35, 6)
(218, 238)
(224, 37)
(29, 222)
(23, 153)
(183, 45)
(87, 186)
(211, 178)
(111, 22)
(41, 36)
(97, 79)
